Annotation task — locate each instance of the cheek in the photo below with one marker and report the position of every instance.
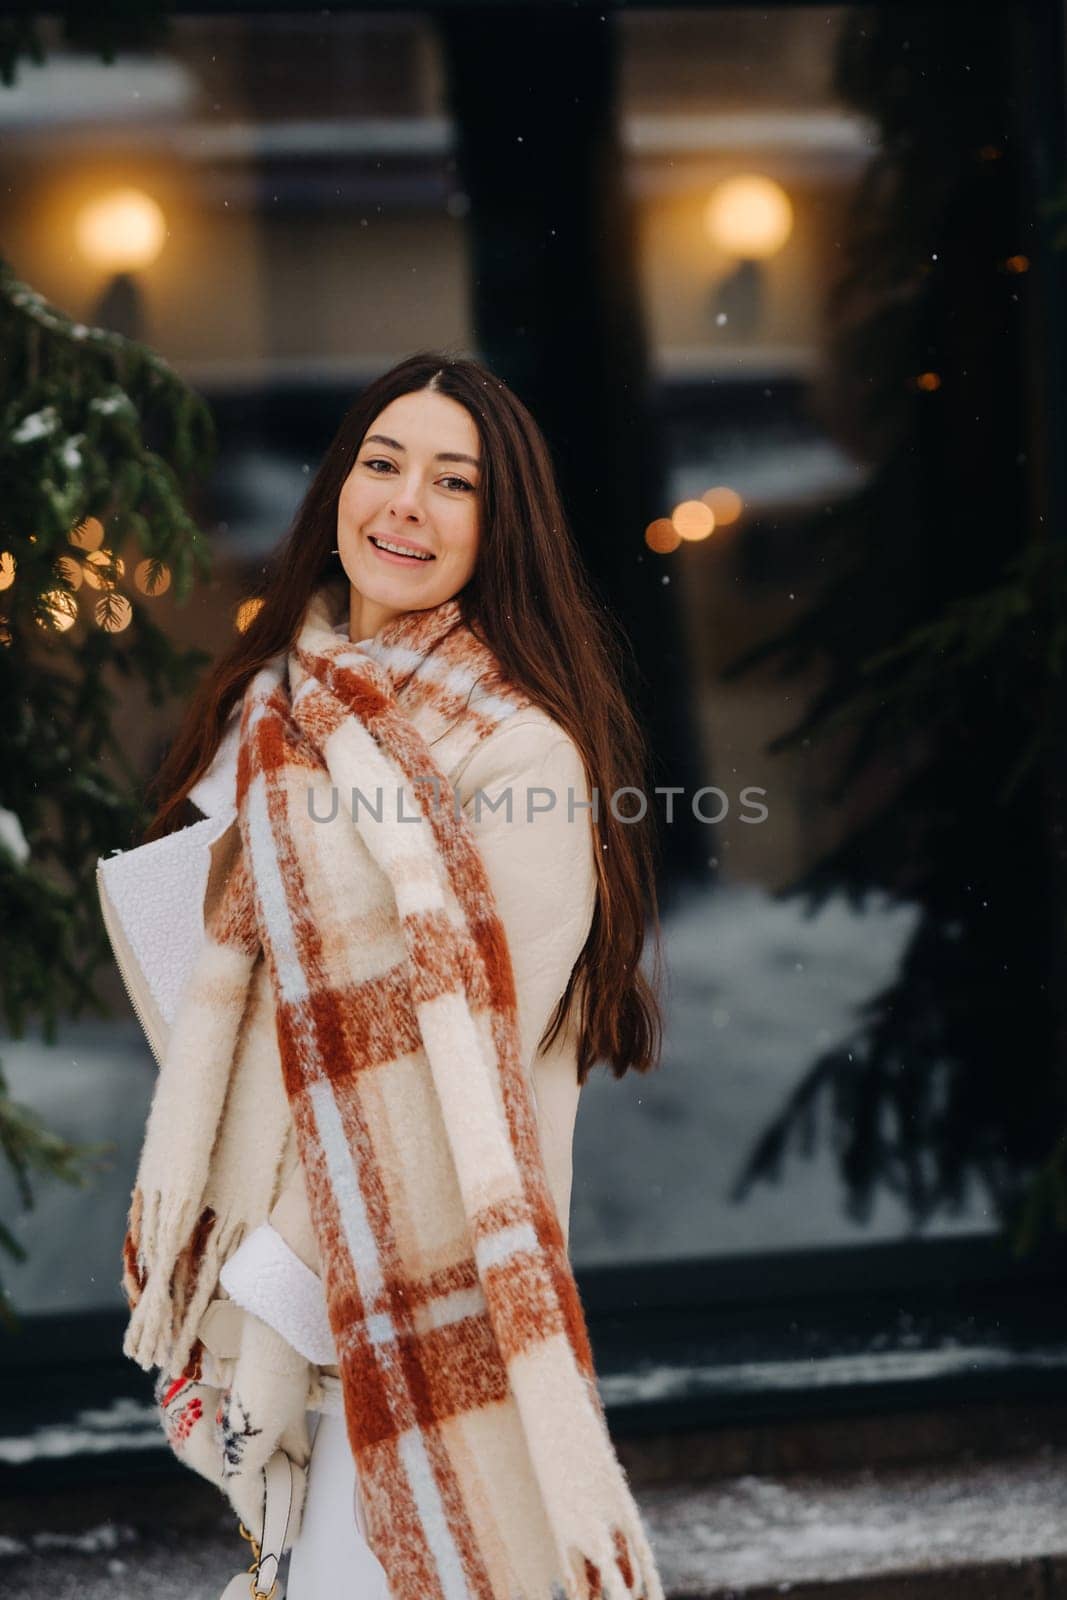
(352, 502)
(466, 545)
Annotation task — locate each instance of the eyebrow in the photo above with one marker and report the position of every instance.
(442, 455)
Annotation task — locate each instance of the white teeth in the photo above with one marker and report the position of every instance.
(397, 549)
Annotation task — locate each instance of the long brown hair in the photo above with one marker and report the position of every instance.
(531, 602)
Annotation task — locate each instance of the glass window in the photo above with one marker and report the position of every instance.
(834, 232)
(834, 221)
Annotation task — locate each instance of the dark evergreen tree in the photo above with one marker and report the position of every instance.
(99, 439)
(941, 628)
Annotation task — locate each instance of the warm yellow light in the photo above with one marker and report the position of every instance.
(693, 519)
(60, 610)
(152, 577)
(726, 504)
(69, 570)
(112, 612)
(1018, 263)
(120, 232)
(928, 381)
(7, 569)
(662, 536)
(103, 569)
(749, 216)
(88, 535)
(246, 613)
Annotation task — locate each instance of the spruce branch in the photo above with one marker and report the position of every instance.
(100, 442)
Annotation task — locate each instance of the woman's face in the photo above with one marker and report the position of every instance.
(413, 485)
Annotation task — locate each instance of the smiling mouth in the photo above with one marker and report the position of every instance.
(402, 552)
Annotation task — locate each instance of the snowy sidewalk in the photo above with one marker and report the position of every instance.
(846, 1531)
(980, 1530)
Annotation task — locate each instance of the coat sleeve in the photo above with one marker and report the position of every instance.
(542, 871)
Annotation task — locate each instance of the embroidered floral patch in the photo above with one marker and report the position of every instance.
(181, 1408)
(234, 1426)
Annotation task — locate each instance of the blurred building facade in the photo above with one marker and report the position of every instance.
(777, 283)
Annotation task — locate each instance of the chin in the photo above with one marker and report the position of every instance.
(380, 587)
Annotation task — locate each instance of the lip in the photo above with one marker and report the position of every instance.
(389, 555)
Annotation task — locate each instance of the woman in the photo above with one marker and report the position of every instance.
(422, 926)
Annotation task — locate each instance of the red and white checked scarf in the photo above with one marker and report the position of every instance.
(468, 1382)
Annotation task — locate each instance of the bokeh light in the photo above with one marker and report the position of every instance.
(693, 519)
(69, 570)
(103, 569)
(59, 610)
(726, 504)
(749, 216)
(662, 536)
(247, 612)
(113, 612)
(122, 231)
(88, 535)
(152, 577)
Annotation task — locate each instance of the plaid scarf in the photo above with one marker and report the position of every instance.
(467, 1377)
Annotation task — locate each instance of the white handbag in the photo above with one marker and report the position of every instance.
(152, 903)
(261, 1578)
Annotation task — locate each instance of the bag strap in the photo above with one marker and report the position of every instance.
(277, 1508)
(261, 1579)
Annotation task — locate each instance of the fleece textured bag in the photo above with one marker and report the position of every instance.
(371, 943)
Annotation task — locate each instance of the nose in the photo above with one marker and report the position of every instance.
(406, 503)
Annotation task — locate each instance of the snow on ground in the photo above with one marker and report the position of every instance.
(720, 1537)
(682, 1381)
(751, 1531)
(757, 990)
(123, 1424)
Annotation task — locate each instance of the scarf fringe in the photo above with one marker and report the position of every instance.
(619, 1557)
(175, 1247)
(619, 1566)
(163, 1323)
